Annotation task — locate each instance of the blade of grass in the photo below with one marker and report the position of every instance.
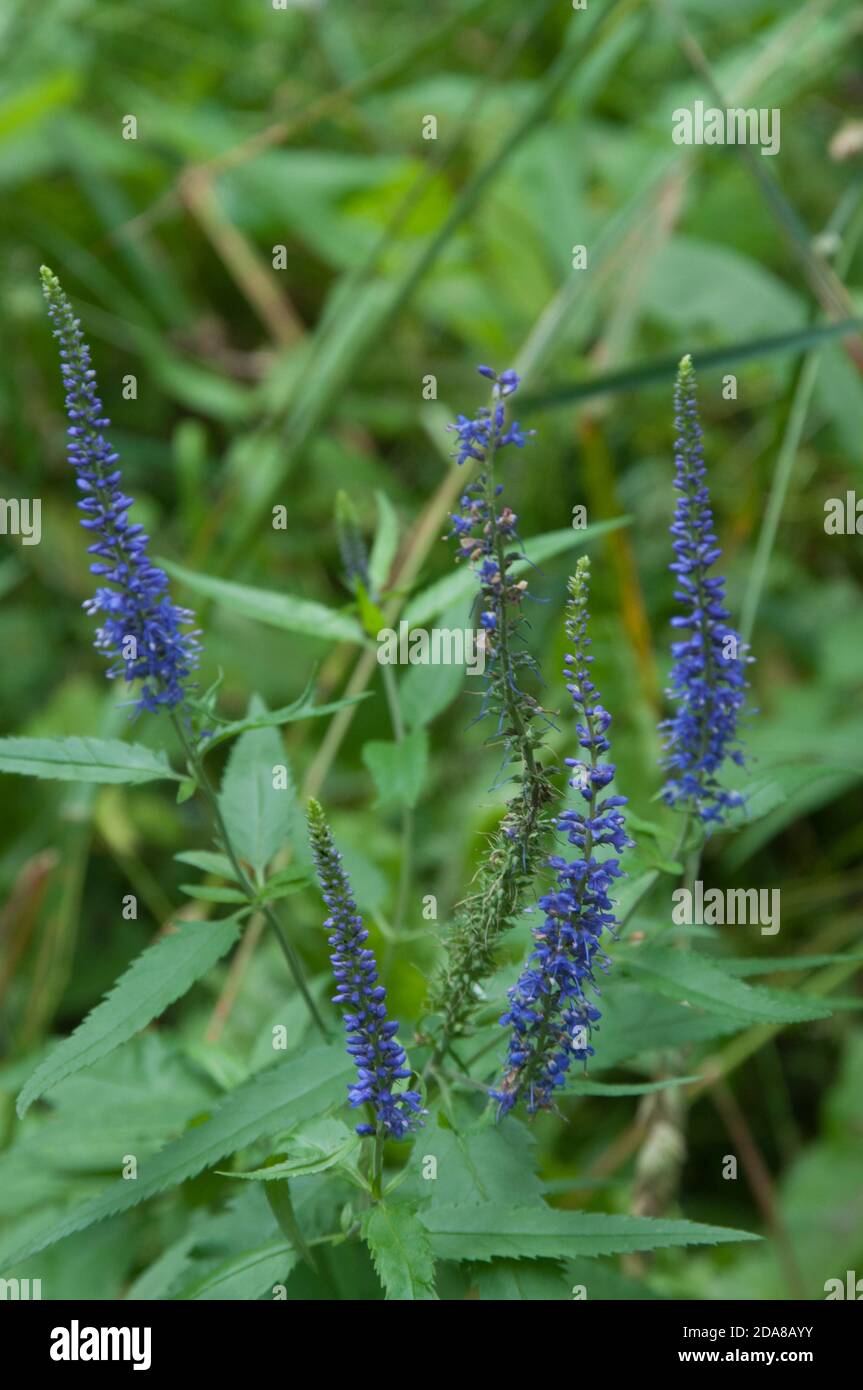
(795, 425)
(660, 369)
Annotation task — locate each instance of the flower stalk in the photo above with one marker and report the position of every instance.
(550, 1014)
(488, 541)
(372, 1043)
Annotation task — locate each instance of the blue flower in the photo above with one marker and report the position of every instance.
(549, 1013)
(371, 1037)
(141, 629)
(708, 684)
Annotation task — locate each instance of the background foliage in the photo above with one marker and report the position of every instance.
(258, 387)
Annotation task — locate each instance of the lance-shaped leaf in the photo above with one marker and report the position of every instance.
(84, 760)
(271, 1101)
(686, 975)
(158, 977)
(496, 1229)
(285, 611)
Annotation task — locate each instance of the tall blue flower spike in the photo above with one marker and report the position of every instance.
(140, 633)
(371, 1037)
(550, 1013)
(708, 684)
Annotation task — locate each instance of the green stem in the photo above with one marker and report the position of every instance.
(406, 868)
(378, 1166)
(196, 764)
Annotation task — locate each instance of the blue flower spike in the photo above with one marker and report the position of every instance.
(371, 1037)
(708, 681)
(550, 1013)
(141, 631)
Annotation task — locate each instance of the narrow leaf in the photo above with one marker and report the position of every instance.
(202, 892)
(484, 1232)
(208, 862)
(275, 609)
(289, 714)
(154, 980)
(662, 369)
(83, 760)
(635, 1088)
(686, 975)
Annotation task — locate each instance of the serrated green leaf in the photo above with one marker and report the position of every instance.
(398, 768)
(687, 975)
(292, 1089)
(84, 760)
(401, 1252)
(158, 977)
(497, 1229)
(284, 611)
(637, 1022)
(475, 1163)
(386, 542)
(765, 966)
(257, 814)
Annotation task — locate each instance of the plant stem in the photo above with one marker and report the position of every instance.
(196, 764)
(407, 818)
(378, 1166)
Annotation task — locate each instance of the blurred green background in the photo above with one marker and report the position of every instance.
(406, 258)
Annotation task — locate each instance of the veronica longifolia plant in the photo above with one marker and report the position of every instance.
(708, 684)
(142, 630)
(284, 1107)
